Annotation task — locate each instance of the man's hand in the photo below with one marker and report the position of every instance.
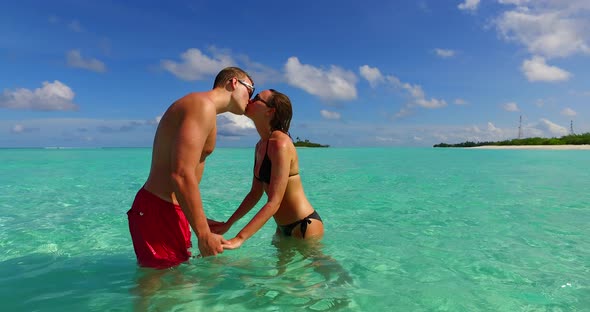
(211, 244)
(233, 243)
(212, 222)
(218, 227)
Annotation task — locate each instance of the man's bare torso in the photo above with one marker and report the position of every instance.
(160, 181)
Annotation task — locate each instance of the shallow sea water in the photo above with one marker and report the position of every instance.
(407, 229)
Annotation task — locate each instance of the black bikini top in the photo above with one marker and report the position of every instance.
(265, 168)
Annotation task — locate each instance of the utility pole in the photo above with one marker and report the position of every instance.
(520, 128)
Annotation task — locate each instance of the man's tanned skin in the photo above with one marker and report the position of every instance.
(185, 137)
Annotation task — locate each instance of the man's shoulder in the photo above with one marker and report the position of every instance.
(196, 102)
(193, 97)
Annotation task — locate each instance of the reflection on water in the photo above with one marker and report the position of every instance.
(291, 275)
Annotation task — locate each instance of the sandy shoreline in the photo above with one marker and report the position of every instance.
(536, 147)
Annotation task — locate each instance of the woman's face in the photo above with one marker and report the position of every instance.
(258, 106)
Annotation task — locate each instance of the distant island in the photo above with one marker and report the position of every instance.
(572, 139)
(307, 143)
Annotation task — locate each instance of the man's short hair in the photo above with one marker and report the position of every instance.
(227, 74)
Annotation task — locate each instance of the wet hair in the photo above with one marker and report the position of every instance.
(283, 111)
(229, 73)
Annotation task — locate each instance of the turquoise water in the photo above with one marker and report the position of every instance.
(406, 230)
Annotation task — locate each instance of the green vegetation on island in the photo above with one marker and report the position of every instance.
(307, 143)
(572, 139)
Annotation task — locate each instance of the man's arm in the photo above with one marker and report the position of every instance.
(186, 157)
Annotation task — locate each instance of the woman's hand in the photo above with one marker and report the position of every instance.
(233, 243)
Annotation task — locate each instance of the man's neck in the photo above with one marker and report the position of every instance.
(221, 100)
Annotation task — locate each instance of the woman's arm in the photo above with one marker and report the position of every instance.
(249, 201)
(280, 158)
(247, 204)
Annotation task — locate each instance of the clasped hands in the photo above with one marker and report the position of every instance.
(219, 228)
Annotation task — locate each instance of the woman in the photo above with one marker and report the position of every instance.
(276, 172)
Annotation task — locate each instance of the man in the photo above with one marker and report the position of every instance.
(170, 200)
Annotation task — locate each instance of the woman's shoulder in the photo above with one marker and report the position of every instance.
(281, 138)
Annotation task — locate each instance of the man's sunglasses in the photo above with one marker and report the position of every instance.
(248, 86)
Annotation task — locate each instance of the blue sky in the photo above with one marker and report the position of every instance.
(359, 73)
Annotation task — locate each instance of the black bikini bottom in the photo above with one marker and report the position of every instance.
(288, 229)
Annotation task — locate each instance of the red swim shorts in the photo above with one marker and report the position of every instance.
(160, 232)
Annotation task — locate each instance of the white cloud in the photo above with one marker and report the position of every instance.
(474, 129)
(511, 107)
(491, 132)
(154, 121)
(460, 101)
(432, 134)
(260, 73)
(491, 127)
(536, 69)
(419, 98)
(239, 121)
(81, 132)
(444, 53)
(330, 115)
(549, 28)
(469, 5)
(393, 80)
(334, 83)
(76, 60)
(403, 112)
(100, 132)
(389, 133)
(515, 2)
(387, 139)
(229, 124)
(568, 112)
(416, 93)
(552, 128)
(54, 96)
(474, 133)
(569, 6)
(371, 74)
(19, 128)
(196, 66)
(579, 93)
